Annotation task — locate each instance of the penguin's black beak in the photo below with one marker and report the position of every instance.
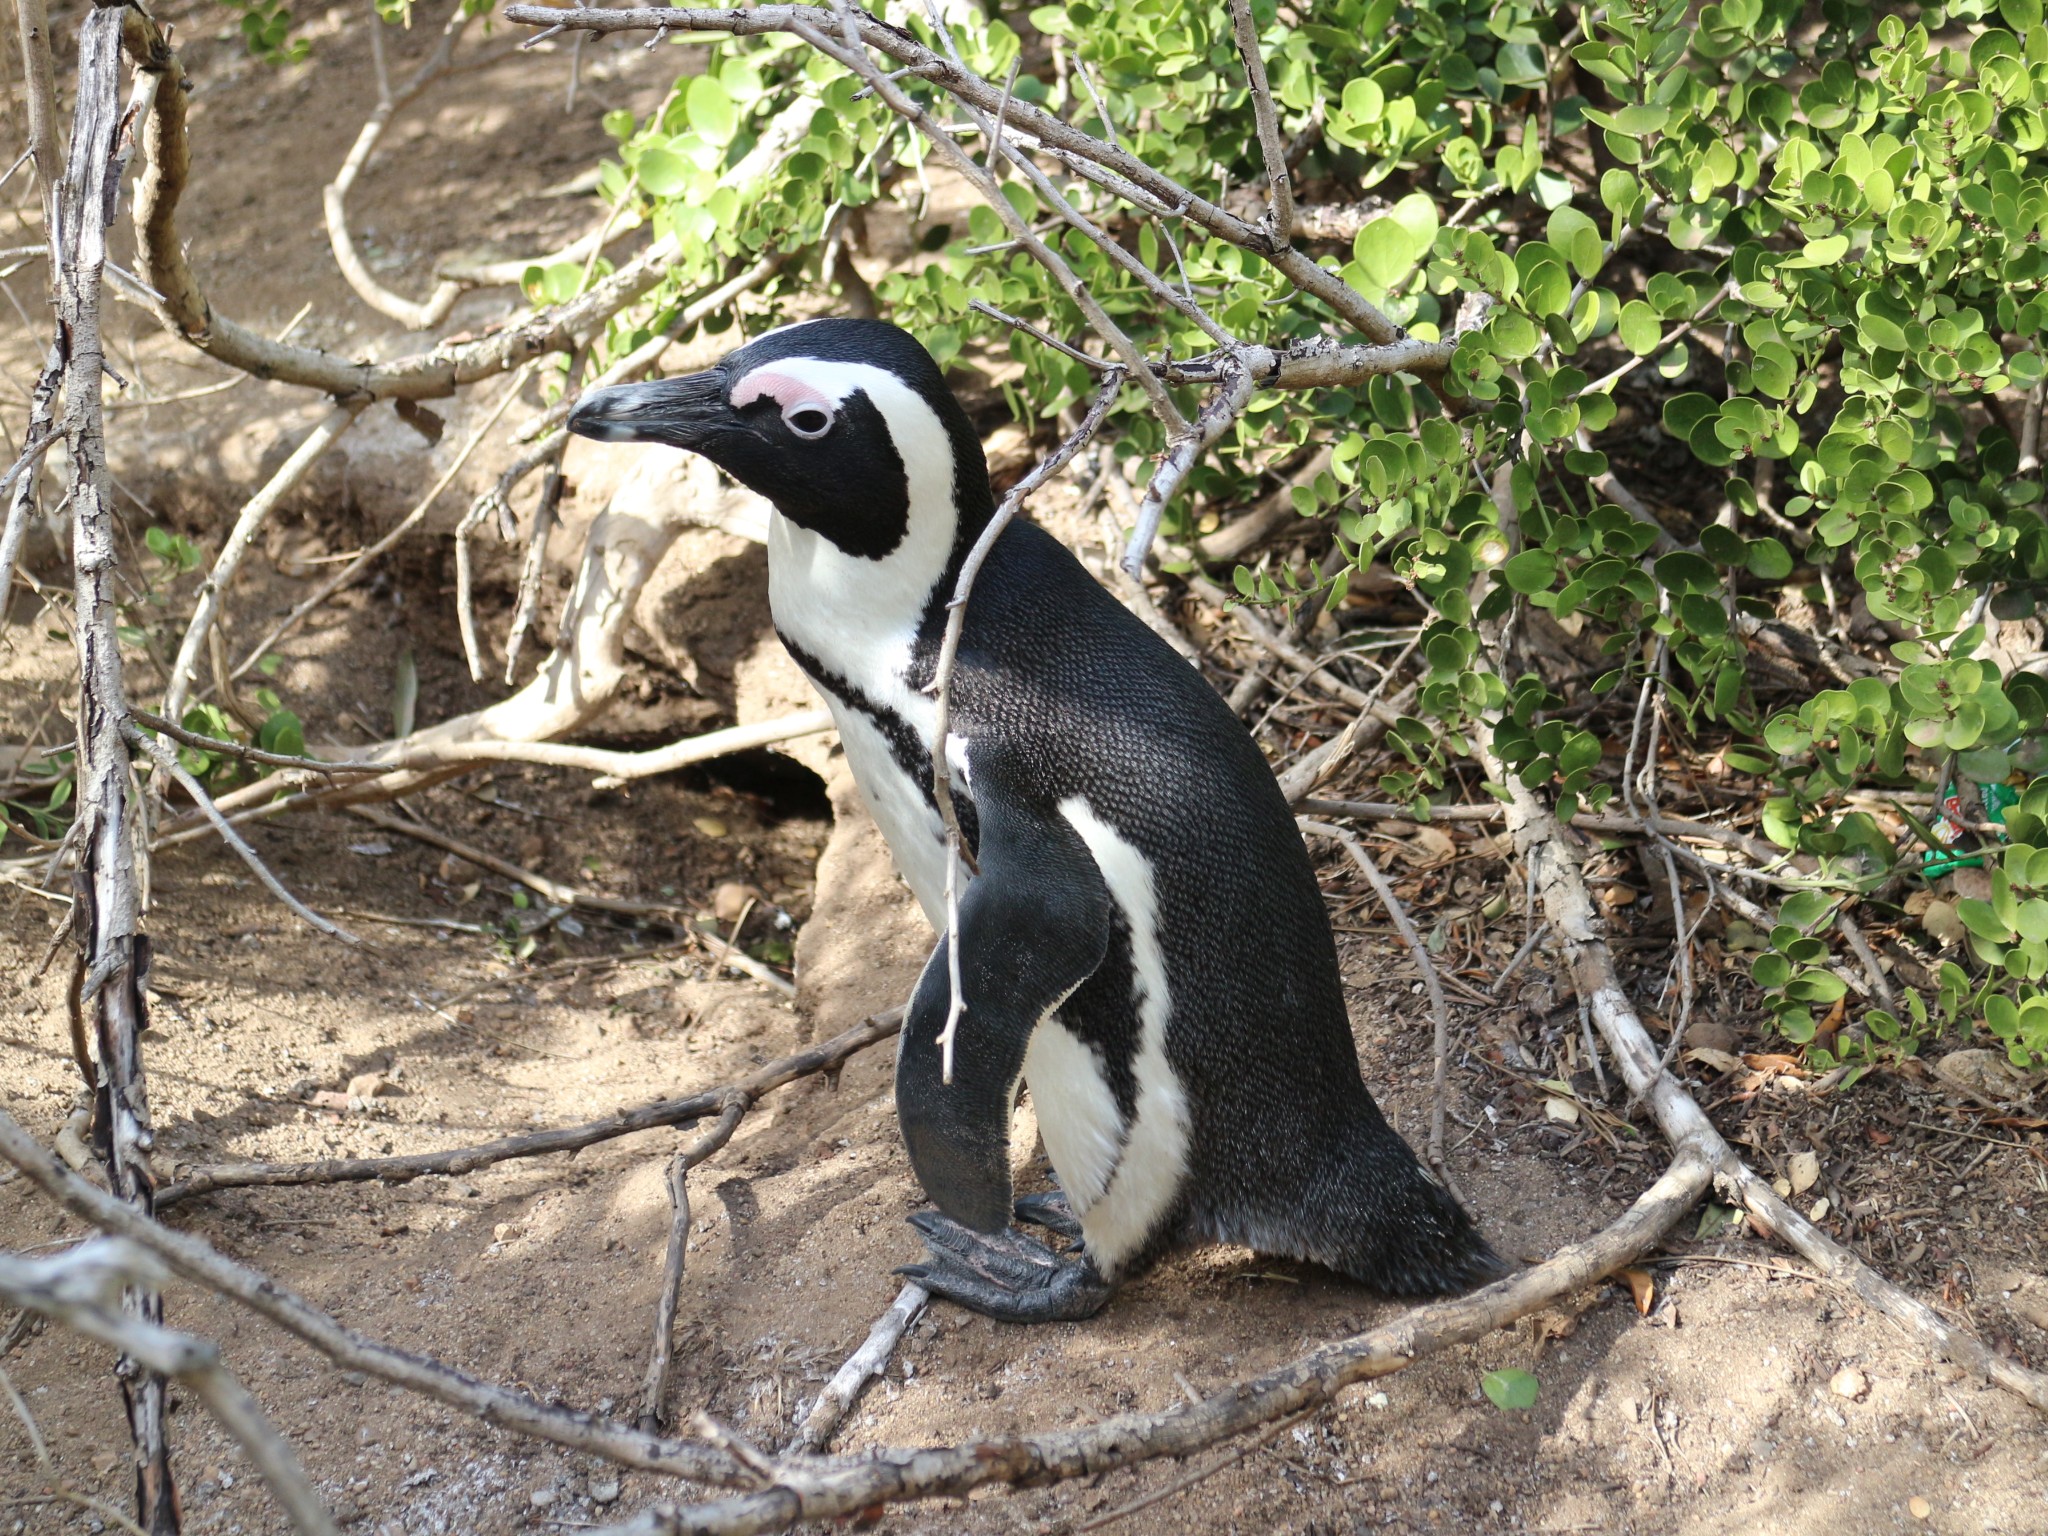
(688, 412)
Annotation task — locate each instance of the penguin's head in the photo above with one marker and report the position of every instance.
(845, 425)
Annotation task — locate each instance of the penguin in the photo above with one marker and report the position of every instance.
(1143, 946)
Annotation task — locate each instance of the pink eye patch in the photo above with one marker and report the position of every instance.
(786, 390)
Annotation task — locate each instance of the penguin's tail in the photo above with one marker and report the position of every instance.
(1397, 1229)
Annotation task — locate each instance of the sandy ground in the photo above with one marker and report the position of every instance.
(1718, 1412)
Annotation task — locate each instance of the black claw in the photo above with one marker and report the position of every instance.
(1004, 1275)
(1050, 1211)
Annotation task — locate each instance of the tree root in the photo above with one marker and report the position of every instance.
(578, 679)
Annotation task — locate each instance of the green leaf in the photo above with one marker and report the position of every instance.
(662, 172)
(1578, 237)
(711, 110)
(1532, 570)
(1509, 1390)
(1639, 327)
(1982, 920)
(1770, 560)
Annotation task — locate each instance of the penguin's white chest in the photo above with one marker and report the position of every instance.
(858, 620)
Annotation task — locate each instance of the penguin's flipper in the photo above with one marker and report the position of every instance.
(1006, 1275)
(1033, 926)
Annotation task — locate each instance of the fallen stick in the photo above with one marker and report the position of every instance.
(662, 1361)
(205, 1266)
(829, 1057)
(807, 1489)
(81, 1290)
(815, 1430)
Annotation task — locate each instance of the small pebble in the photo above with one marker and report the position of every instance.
(606, 1492)
(541, 1498)
(1849, 1382)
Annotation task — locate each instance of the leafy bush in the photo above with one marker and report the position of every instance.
(1782, 269)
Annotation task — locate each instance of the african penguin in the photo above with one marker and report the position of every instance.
(1144, 946)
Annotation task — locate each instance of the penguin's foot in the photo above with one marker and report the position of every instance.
(1004, 1275)
(1051, 1212)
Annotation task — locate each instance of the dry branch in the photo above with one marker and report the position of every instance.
(166, 760)
(25, 476)
(814, 1431)
(114, 958)
(334, 200)
(1279, 220)
(204, 1265)
(252, 516)
(732, 1109)
(819, 1490)
(827, 1058)
(182, 307)
(82, 1289)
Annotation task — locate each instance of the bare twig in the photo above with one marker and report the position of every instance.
(204, 1265)
(1440, 1011)
(544, 515)
(1279, 220)
(815, 1430)
(1038, 334)
(39, 95)
(166, 760)
(82, 1290)
(655, 1388)
(1188, 1480)
(21, 493)
(334, 199)
(397, 531)
(182, 307)
(254, 511)
(828, 1057)
(59, 1489)
(849, 52)
(1216, 418)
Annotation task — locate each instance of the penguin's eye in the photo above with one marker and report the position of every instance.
(808, 420)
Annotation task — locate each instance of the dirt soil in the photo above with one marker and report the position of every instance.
(1749, 1398)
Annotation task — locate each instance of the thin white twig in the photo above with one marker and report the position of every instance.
(398, 531)
(252, 516)
(166, 759)
(1224, 407)
(1440, 1010)
(814, 1430)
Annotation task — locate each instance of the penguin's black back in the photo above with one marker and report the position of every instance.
(1065, 693)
